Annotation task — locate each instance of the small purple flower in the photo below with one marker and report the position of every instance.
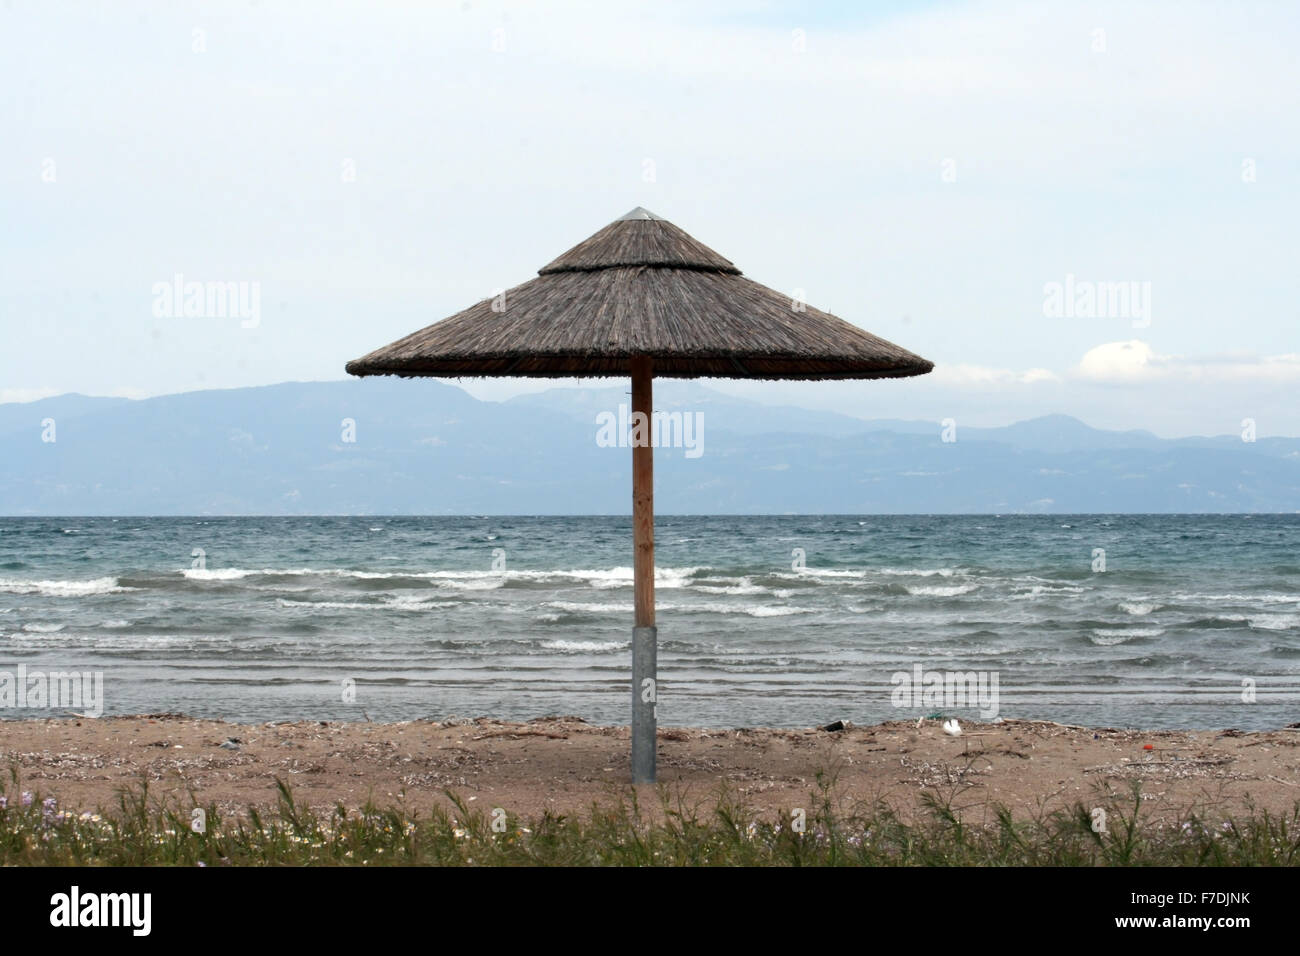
(4, 803)
(26, 799)
(201, 863)
(50, 804)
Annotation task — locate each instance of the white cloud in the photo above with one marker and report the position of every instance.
(1121, 362)
(982, 376)
(1136, 362)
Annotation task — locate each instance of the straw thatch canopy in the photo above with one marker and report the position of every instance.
(642, 287)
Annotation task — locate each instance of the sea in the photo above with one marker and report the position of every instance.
(1141, 621)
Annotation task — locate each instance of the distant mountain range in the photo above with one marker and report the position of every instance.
(426, 447)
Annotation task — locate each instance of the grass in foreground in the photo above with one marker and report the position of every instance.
(34, 832)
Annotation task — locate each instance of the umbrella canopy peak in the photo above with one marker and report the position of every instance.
(640, 212)
(640, 240)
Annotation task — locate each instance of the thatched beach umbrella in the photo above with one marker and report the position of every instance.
(641, 298)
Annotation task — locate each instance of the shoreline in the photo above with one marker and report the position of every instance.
(565, 765)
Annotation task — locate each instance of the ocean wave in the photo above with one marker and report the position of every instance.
(1038, 590)
(1213, 622)
(584, 646)
(762, 611)
(665, 577)
(59, 588)
(395, 604)
(745, 587)
(38, 628)
(921, 572)
(1270, 598)
(586, 607)
(1263, 622)
(752, 610)
(1137, 608)
(941, 591)
(1108, 637)
(474, 584)
(1274, 622)
(219, 574)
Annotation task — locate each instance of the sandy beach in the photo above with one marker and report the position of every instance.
(563, 764)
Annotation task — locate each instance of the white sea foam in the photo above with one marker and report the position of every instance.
(1272, 598)
(1108, 637)
(583, 646)
(218, 574)
(1137, 608)
(59, 588)
(474, 584)
(770, 611)
(591, 608)
(396, 604)
(828, 573)
(236, 574)
(606, 578)
(38, 628)
(940, 591)
(752, 610)
(920, 572)
(747, 587)
(1040, 589)
(462, 580)
(1274, 622)
(418, 604)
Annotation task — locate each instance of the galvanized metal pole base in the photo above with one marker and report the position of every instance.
(645, 692)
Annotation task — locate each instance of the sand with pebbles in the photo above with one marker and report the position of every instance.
(564, 764)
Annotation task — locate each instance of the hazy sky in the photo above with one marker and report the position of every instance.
(924, 170)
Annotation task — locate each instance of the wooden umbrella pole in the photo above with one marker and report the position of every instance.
(644, 635)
